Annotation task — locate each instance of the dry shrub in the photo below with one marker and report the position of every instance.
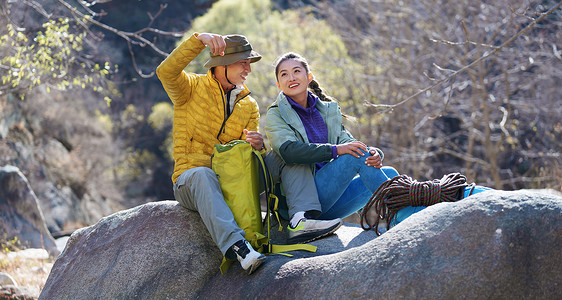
(29, 273)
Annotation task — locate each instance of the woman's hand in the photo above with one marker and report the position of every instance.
(215, 42)
(353, 148)
(374, 160)
(254, 138)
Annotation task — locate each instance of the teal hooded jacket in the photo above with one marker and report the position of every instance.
(287, 135)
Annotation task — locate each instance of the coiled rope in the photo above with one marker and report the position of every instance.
(402, 191)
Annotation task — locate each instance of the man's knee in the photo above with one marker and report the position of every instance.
(202, 174)
(198, 185)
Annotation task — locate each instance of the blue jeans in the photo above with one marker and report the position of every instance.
(346, 184)
(405, 212)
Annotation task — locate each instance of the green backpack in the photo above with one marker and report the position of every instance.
(238, 167)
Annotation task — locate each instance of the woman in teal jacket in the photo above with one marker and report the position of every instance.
(306, 127)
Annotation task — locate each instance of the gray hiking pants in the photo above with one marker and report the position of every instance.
(297, 182)
(198, 189)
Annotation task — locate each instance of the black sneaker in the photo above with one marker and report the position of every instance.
(249, 258)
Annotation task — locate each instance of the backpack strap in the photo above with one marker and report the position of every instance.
(225, 264)
(272, 199)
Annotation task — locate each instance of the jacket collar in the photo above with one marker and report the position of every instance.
(285, 106)
(328, 110)
(311, 100)
(212, 79)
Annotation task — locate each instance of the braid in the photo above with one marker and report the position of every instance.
(318, 91)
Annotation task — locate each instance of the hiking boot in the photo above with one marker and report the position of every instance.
(308, 230)
(249, 258)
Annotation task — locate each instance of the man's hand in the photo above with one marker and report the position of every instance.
(254, 138)
(215, 42)
(374, 160)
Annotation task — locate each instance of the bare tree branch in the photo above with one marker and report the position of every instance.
(484, 57)
(87, 5)
(37, 7)
(139, 71)
(464, 157)
(466, 40)
(132, 38)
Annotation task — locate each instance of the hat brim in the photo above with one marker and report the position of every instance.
(229, 59)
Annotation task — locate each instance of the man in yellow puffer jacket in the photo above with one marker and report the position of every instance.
(211, 109)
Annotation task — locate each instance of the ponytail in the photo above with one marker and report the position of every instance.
(318, 91)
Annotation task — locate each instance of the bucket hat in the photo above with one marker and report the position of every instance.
(237, 48)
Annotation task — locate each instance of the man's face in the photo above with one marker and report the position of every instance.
(238, 71)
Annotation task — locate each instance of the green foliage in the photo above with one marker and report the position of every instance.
(105, 121)
(53, 58)
(167, 146)
(130, 117)
(273, 33)
(160, 119)
(161, 115)
(135, 164)
(10, 245)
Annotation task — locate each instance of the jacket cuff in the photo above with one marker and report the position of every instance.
(334, 151)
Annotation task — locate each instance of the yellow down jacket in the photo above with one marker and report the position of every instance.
(200, 119)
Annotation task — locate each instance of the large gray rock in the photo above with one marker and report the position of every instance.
(493, 245)
(20, 215)
(154, 251)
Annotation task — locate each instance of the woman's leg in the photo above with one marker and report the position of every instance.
(335, 177)
(475, 189)
(341, 191)
(405, 212)
(354, 198)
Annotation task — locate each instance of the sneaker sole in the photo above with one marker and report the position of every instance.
(256, 265)
(309, 237)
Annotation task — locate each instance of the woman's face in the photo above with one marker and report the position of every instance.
(292, 78)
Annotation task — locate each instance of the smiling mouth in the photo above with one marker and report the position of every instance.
(294, 85)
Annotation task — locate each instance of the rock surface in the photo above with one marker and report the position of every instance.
(154, 251)
(20, 215)
(6, 279)
(493, 245)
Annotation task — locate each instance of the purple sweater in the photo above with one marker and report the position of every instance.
(314, 125)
